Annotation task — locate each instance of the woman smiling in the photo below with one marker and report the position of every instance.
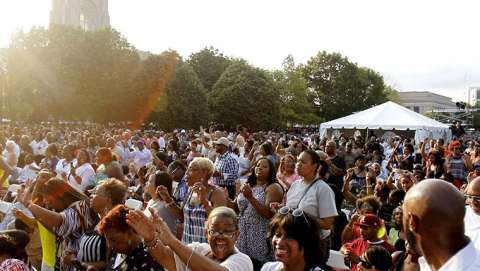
(295, 241)
(219, 254)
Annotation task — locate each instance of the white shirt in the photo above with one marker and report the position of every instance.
(29, 172)
(85, 172)
(467, 259)
(277, 266)
(161, 143)
(235, 262)
(319, 201)
(64, 167)
(39, 147)
(472, 226)
(141, 157)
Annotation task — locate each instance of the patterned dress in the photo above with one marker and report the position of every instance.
(253, 227)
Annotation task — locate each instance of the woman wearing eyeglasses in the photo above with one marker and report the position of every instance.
(295, 242)
(218, 254)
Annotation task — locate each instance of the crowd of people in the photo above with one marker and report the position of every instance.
(93, 197)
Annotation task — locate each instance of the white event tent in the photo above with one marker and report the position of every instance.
(390, 116)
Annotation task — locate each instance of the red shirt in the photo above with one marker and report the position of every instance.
(360, 245)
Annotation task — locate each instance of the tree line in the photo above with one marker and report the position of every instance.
(68, 74)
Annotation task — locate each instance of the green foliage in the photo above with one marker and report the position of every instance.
(245, 94)
(339, 87)
(209, 64)
(296, 108)
(187, 100)
(67, 73)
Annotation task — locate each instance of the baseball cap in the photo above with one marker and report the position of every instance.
(369, 220)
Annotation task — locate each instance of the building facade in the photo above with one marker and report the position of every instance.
(424, 101)
(87, 14)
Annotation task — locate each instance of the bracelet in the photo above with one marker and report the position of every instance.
(189, 258)
(152, 243)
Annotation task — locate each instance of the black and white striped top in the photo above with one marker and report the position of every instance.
(92, 248)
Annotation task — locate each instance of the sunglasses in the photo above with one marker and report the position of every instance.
(295, 213)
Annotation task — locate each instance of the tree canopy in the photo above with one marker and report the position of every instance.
(71, 74)
(245, 94)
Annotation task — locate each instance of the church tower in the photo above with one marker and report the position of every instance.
(87, 14)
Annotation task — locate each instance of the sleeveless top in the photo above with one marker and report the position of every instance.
(253, 227)
(194, 218)
(457, 168)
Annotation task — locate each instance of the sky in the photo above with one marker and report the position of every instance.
(416, 45)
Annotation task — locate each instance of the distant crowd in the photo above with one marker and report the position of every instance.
(93, 197)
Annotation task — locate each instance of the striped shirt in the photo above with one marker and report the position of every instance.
(92, 248)
(76, 220)
(458, 169)
(228, 167)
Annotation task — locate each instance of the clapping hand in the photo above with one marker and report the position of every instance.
(162, 191)
(247, 191)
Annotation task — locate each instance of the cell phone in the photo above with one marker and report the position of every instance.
(134, 204)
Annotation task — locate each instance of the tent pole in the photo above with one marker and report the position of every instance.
(366, 134)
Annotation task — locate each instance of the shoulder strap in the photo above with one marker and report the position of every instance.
(305, 192)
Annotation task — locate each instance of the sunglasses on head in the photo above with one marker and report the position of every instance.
(295, 212)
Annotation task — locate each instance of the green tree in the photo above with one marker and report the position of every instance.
(187, 100)
(245, 94)
(209, 64)
(339, 87)
(65, 72)
(296, 108)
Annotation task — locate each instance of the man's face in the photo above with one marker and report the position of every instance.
(368, 233)
(219, 148)
(331, 148)
(473, 191)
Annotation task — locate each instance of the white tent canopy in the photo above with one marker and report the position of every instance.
(390, 116)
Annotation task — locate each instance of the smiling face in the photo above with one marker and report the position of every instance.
(286, 250)
(222, 234)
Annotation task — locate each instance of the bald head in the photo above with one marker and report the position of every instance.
(473, 190)
(436, 203)
(473, 187)
(433, 220)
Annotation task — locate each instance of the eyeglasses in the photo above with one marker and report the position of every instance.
(473, 197)
(227, 234)
(295, 212)
(366, 264)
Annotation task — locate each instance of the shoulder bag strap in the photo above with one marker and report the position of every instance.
(305, 192)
